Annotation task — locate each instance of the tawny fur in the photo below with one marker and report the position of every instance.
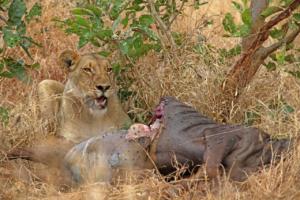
(86, 106)
(74, 104)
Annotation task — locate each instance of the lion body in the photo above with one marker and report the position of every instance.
(87, 105)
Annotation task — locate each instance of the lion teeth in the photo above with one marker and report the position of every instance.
(101, 102)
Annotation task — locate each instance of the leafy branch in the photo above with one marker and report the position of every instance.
(15, 16)
(253, 52)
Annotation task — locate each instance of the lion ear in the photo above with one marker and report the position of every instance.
(68, 59)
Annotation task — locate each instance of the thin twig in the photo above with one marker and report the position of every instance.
(172, 19)
(161, 24)
(3, 19)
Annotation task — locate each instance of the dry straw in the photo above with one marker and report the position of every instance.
(191, 77)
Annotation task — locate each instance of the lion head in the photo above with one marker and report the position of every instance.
(89, 78)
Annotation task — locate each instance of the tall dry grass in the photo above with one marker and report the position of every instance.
(192, 77)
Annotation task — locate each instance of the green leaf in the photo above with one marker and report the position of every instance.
(17, 69)
(151, 34)
(197, 4)
(116, 9)
(116, 23)
(16, 11)
(243, 30)
(270, 11)
(82, 11)
(95, 10)
(21, 28)
(36, 10)
(245, 2)
(290, 58)
(5, 4)
(295, 73)
(4, 115)
(1, 66)
(94, 41)
(116, 68)
(229, 24)
(287, 109)
(285, 3)
(124, 46)
(125, 94)
(271, 66)
(10, 37)
(273, 57)
(82, 41)
(136, 8)
(104, 34)
(246, 17)
(138, 1)
(104, 53)
(251, 117)
(290, 46)
(125, 21)
(34, 66)
(6, 74)
(178, 38)
(232, 52)
(293, 24)
(137, 43)
(146, 20)
(80, 21)
(276, 33)
(280, 57)
(238, 6)
(296, 17)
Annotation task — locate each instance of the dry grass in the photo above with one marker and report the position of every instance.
(192, 77)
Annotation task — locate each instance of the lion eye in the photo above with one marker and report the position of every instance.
(86, 69)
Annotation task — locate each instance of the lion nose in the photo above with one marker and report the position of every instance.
(103, 88)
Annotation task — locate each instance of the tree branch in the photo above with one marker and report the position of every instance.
(286, 40)
(161, 24)
(281, 16)
(257, 21)
(250, 60)
(263, 33)
(257, 7)
(172, 19)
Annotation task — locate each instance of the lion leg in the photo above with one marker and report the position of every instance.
(51, 153)
(49, 93)
(58, 177)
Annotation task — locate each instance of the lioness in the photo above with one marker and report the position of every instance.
(87, 105)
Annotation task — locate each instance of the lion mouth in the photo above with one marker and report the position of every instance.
(101, 102)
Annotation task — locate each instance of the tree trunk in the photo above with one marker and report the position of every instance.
(253, 52)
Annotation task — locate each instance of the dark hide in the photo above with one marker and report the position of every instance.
(194, 139)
